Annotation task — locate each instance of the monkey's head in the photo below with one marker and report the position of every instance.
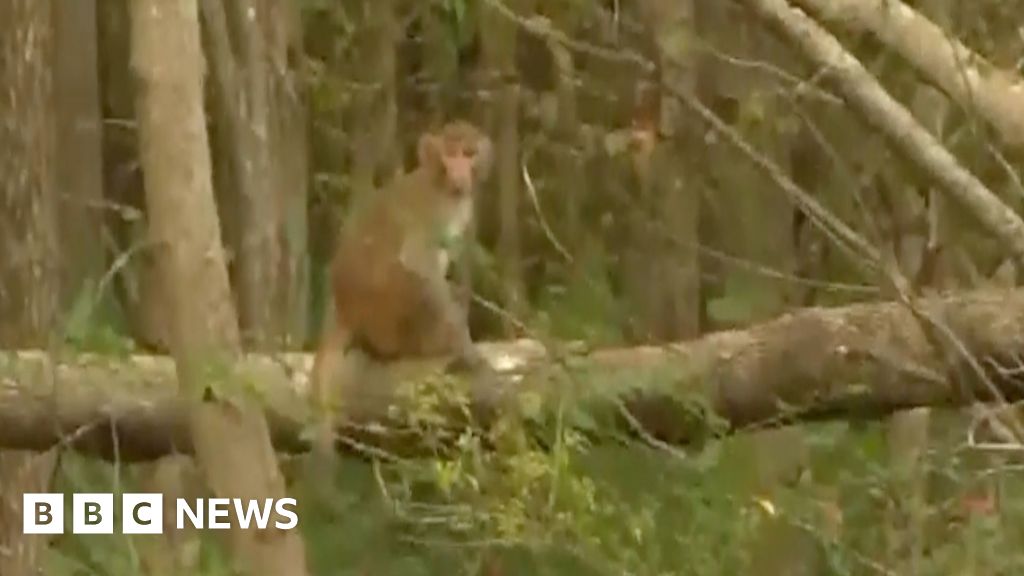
(457, 157)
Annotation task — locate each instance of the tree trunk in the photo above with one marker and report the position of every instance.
(440, 66)
(79, 167)
(498, 42)
(259, 248)
(861, 361)
(665, 267)
(29, 277)
(243, 110)
(568, 156)
(375, 147)
(139, 287)
(290, 138)
(228, 431)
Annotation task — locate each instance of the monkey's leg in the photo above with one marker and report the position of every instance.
(454, 337)
(486, 390)
(447, 332)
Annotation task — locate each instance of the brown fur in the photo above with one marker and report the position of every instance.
(388, 274)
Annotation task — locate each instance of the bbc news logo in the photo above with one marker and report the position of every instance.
(144, 513)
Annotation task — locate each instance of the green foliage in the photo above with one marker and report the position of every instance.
(116, 554)
(548, 498)
(565, 506)
(744, 300)
(582, 307)
(461, 20)
(91, 324)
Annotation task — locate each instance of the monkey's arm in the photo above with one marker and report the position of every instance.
(428, 260)
(462, 271)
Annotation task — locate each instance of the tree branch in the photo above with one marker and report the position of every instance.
(864, 93)
(997, 94)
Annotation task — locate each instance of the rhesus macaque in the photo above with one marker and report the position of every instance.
(388, 276)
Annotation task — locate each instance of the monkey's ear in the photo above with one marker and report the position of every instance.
(429, 151)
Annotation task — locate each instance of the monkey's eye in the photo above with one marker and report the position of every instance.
(469, 151)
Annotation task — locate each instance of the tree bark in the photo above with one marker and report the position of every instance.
(79, 171)
(29, 279)
(290, 137)
(242, 95)
(865, 360)
(139, 289)
(227, 430)
(375, 149)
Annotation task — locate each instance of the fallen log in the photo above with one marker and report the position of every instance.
(864, 360)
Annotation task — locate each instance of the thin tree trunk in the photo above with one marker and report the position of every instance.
(291, 155)
(568, 157)
(375, 147)
(289, 128)
(139, 287)
(498, 37)
(228, 430)
(440, 65)
(242, 89)
(259, 249)
(79, 173)
(29, 278)
(669, 209)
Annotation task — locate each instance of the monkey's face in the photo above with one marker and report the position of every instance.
(460, 156)
(459, 164)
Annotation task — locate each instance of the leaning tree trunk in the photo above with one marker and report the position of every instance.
(139, 290)
(229, 433)
(996, 94)
(870, 100)
(28, 255)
